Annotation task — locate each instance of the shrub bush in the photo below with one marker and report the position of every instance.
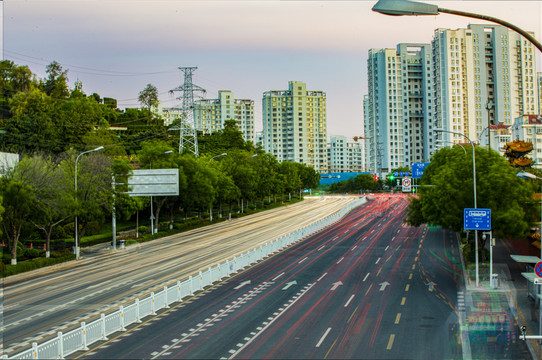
(143, 229)
(23, 266)
(93, 228)
(31, 253)
(58, 233)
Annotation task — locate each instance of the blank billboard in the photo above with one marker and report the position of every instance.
(154, 182)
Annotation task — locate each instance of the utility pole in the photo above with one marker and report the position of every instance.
(187, 131)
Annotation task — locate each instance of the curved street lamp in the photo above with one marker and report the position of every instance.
(407, 7)
(224, 154)
(453, 144)
(76, 227)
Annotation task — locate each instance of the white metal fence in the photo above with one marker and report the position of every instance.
(80, 338)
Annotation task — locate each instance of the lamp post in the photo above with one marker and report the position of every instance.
(475, 202)
(224, 154)
(152, 210)
(76, 226)
(450, 142)
(407, 7)
(211, 207)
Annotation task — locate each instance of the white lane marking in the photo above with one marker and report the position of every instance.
(377, 261)
(338, 262)
(355, 246)
(242, 284)
(321, 277)
(321, 247)
(276, 277)
(261, 330)
(305, 258)
(323, 337)
(386, 248)
(200, 327)
(349, 300)
(366, 276)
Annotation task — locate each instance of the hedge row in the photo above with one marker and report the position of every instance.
(23, 266)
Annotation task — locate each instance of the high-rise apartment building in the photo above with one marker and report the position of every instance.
(484, 75)
(467, 81)
(399, 107)
(169, 115)
(344, 155)
(210, 114)
(295, 125)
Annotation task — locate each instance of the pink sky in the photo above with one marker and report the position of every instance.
(116, 47)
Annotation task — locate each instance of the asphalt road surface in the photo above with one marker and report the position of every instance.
(38, 304)
(368, 287)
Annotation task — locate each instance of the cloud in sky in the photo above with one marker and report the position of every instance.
(116, 47)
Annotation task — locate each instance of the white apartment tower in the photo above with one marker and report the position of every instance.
(484, 75)
(295, 126)
(399, 109)
(344, 155)
(210, 114)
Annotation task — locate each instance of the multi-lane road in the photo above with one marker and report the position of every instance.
(367, 287)
(37, 305)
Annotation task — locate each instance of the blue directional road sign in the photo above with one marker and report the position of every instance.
(418, 169)
(477, 219)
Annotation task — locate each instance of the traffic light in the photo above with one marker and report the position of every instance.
(391, 177)
(376, 177)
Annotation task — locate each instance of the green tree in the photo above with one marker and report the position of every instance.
(200, 191)
(240, 168)
(447, 189)
(94, 196)
(224, 140)
(31, 127)
(56, 84)
(13, 79)
(18, 202)
(149, 98)
(52, 195)
(290, 175)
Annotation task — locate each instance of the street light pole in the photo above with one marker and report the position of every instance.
(76, 225)
(152, 210)
(475, 202)
(451, 142)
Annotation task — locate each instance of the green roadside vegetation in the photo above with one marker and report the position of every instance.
(76, 153)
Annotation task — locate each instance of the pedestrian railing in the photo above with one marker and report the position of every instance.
(80, 338)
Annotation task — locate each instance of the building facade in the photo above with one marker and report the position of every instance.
(169, 115)
(344, 155)
(529, 128)
(466, 82)
(295, 125)
(484, 75)
(210, 114)
(399, 107)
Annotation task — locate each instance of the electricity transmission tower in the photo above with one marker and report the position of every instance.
(187, 131)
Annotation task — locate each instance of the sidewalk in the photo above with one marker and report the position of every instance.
(527, 309)
(492, 317)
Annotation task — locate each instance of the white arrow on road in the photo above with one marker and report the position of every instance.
(431, 286)
(336, 285)
(289, 284)
(383, 285)
(242, 284)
